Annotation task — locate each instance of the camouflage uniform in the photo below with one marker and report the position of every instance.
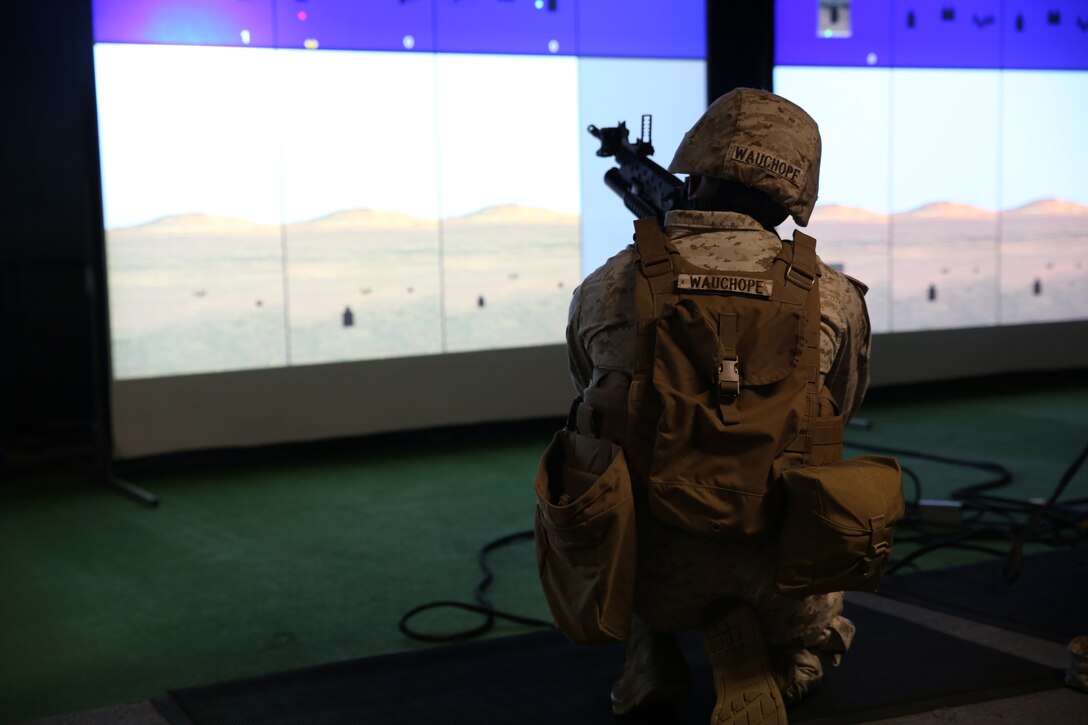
(680, 575)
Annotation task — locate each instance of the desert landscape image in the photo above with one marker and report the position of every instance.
(947, 265)
(200, 293)
(270, 207)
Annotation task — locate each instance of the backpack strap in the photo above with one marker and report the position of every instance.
(798, 256)
(803, 270)
(802, 280)
(655, 285)
(655, 262)
(728, 369)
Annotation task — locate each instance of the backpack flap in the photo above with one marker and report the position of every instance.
(717, 437)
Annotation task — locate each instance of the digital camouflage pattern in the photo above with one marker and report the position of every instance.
(602, 320)
(680, 575)
(760, 140)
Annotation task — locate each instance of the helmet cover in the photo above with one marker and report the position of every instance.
(760, 140)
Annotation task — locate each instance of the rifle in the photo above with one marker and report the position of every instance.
(646, 188)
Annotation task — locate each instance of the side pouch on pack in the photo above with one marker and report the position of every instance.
(585, 537)
(838, 525)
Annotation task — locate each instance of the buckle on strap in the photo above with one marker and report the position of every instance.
(729, 367)
(874, 559)
(879, 548)
(803, 267)
(729, 378)
(652, 247)
(800, 277)
(656, 267)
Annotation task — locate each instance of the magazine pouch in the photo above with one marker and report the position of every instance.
(838, 525)
(585, 537)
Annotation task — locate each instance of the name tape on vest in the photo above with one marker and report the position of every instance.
(725, 283)
(764, 160)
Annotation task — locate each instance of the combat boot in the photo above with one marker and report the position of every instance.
(654, 671)
(746, 689)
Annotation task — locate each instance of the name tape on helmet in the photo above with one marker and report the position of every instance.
(766, 161)
(725, 283)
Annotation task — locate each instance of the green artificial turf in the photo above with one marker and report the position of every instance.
(295, 558)
(248, 569)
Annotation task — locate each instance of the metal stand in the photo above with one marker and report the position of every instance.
(109, 478)
(136, 492)
(101, 366)
(103, 427)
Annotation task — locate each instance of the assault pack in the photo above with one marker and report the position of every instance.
(723, 431)
(724, 395)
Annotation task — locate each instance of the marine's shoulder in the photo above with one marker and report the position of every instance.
(842, 301)
(620, 265)
(840, 284)
(608, 283)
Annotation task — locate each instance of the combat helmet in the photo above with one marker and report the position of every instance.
(760, 140)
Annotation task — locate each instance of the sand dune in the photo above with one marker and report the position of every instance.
(199, 224)
(1048, 207)
(366, 219)
(841, 213)
(357, 219)
(350, 219)
(844, 213)
(512, 214)
(946, 210)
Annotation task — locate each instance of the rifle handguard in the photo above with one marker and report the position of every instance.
(647, 189)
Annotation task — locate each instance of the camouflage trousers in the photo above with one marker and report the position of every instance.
(682, 580)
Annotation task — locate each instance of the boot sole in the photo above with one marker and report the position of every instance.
(746, 690)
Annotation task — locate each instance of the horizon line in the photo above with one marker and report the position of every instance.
(486, 209)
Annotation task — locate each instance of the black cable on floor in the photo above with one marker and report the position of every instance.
(484, 606)
(1004, 475)
(1016, 555)
(980, 504)
(952, 541)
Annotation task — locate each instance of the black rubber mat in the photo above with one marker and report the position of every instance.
(894, 668)
(1048, 600)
